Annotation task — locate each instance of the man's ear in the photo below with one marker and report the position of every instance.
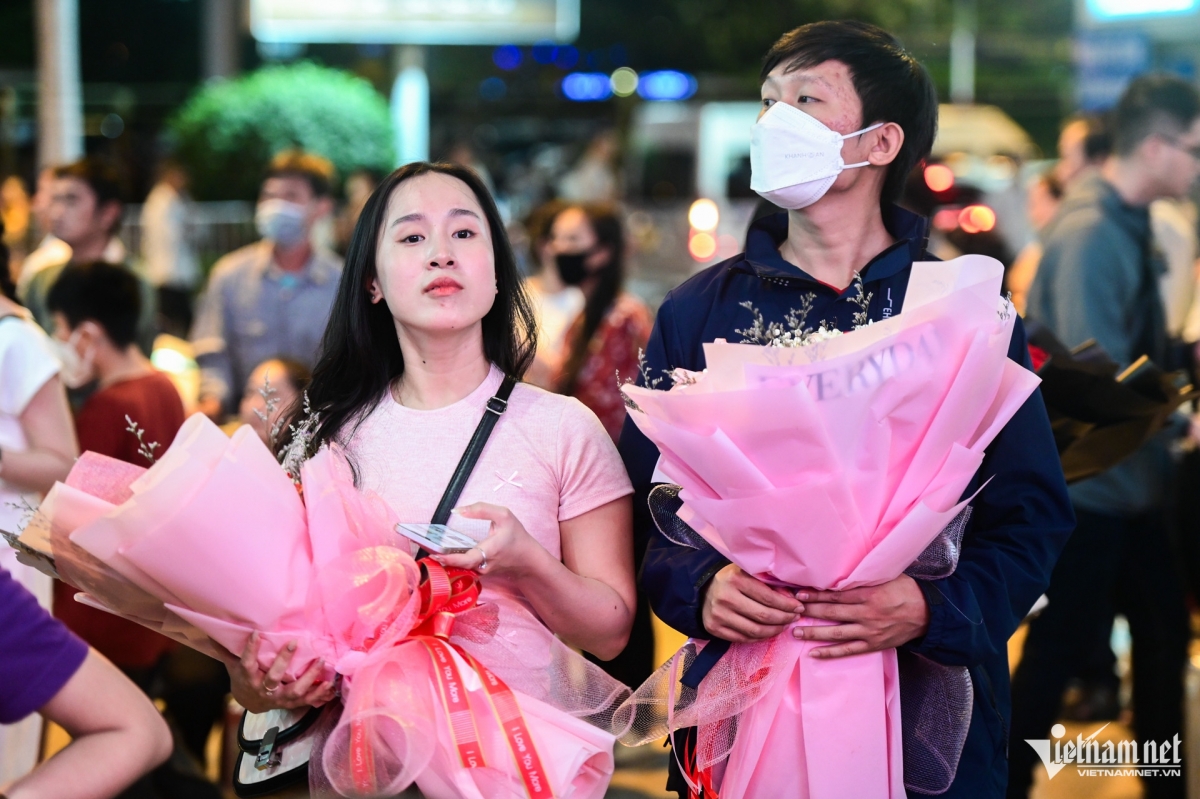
(90, 332)
(109, 215)
(888, 140)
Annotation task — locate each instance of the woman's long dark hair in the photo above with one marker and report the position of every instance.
(610, 233)
(360, 352)
(7, 287)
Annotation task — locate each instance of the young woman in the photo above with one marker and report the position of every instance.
(588, 243)
(428, 320)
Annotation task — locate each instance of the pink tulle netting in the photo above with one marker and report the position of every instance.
(156, 546)
(833, 466)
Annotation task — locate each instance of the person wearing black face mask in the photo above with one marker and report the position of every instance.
(588, 247)
(588, 244)
(572, 267)
(555, 303)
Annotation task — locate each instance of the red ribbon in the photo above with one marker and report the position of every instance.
(445, 593)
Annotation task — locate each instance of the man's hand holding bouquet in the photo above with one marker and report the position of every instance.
(825, 466)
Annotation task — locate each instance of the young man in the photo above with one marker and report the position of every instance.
(85, 214)
(1099, 280)
(856, 79)
(272, 297)
(95, 308)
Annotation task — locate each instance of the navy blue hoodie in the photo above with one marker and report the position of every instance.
(1020, 522)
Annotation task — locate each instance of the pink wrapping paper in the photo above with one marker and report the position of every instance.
(833, 466)
(214, 542)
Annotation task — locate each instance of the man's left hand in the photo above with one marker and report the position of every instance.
(867, 619)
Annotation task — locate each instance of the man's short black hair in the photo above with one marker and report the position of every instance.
(892, 85)
(1154, 104)
(314, 169)
(101, 178)
(106, 294)
(1098, 143)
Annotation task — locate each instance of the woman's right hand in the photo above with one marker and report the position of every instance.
(259, 691)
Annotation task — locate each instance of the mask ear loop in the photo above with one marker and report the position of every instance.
(859, 133)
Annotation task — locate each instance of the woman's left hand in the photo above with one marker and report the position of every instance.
(508, 550)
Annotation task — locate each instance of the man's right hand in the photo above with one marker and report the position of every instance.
(740, 608)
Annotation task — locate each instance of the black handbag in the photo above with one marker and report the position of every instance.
(275, 746)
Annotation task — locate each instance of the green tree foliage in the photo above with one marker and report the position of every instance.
(227, 132)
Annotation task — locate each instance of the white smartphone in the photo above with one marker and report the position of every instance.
(437, 538)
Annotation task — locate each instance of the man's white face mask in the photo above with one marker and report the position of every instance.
(794, 159)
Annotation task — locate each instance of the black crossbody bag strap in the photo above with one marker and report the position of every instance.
(495, 408)
(266, 751)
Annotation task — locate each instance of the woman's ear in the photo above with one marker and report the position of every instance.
(888, 141)
(374, 291)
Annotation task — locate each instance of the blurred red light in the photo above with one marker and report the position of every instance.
(946, 219)
(939, 177)
(977, 219)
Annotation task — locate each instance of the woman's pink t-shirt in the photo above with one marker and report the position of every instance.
(548, 459)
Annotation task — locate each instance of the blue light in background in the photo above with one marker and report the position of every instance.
(1121, 9)
(507, 56)
(583, 87)
(493, 89)
(545, 52)
(666, 84)
(567, 57)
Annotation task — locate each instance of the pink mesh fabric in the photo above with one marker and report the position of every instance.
(359, 609)
(936, 700)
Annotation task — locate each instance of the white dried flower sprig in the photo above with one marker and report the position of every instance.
(793, 332)
(1006, 309)
(685, 377)
(271, 404)
(146, 450)
(647, 380)
(296, 452)
(863, 301)
(25, 510)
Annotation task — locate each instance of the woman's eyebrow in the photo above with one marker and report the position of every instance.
(417, 216)
(413, 217)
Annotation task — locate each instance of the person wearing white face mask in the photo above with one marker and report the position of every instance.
(272, 297)
(847, 114)
(95, 308)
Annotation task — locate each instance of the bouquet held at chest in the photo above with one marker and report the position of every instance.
(831, 460)
(214, 541)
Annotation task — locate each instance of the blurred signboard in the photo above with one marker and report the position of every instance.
(1162, 20)
(1126, 9)
(414, 21)
(1105, 62)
